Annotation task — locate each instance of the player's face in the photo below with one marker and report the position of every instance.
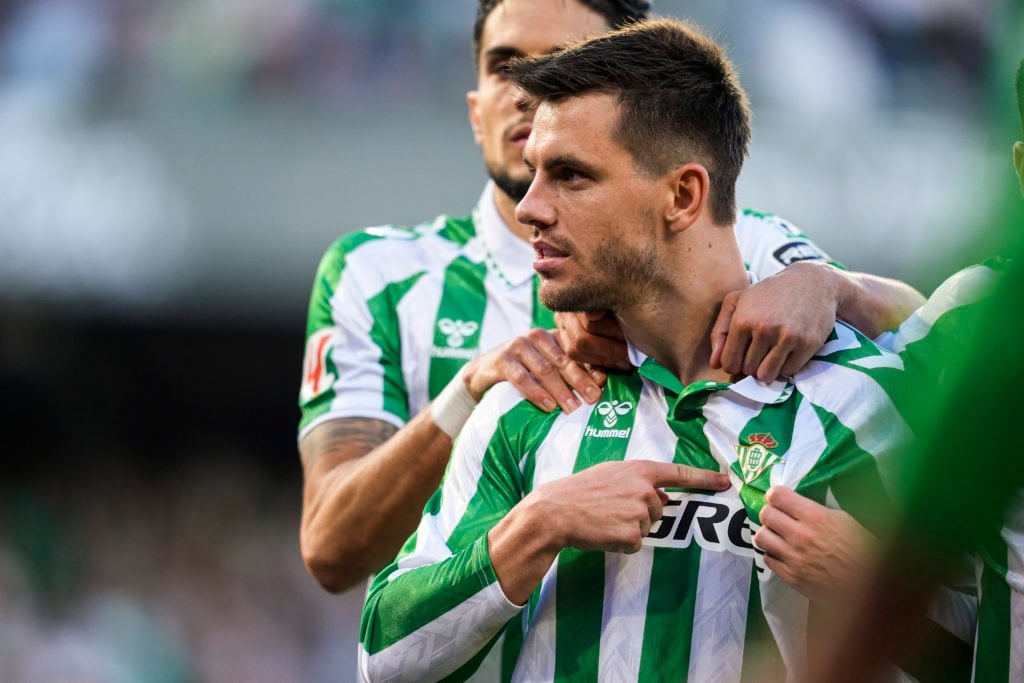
(518, 28)
(594, 213)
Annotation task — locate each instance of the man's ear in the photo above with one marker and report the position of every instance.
(473, 99)
(691, 185)
(1018, 162)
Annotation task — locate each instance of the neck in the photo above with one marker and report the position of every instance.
(673, 324)
(507, 210)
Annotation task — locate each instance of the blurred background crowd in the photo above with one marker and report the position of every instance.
(170, 173)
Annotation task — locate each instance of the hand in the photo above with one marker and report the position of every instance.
(773, 327)
(608, 507)
(593, 338)
(536, 365)
(823, 553)
(612, 506)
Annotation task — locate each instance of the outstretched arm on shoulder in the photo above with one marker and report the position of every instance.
(773, 327)
(366, 481)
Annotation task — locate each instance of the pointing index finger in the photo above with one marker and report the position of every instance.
(683, 476)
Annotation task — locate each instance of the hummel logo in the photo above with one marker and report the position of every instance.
(457, 330)
(612, 410)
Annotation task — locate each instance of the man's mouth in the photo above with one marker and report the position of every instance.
(547, 251)
(546, 256)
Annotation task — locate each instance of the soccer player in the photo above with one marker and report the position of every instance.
(397, 314)
(610, 537)
(965, 492)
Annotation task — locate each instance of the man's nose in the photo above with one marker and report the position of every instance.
(534, 210)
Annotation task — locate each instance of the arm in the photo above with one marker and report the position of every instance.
(774, 326)
(609, 507)
(443, 582)
(366, 482)
(874, 304)
(365, 486)
(466, 587)
(824, 553)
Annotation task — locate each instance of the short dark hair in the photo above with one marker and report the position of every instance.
(1020, 93)
(680, 98)
(617, 13)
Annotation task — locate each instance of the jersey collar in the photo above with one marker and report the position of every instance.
(507, 256)
(749, 387)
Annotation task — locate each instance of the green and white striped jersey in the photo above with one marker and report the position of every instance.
(395, 312)
(696, 603)
(999, 647)
(929, 341)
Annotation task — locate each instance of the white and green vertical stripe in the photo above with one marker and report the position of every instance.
(402, 310)
(696, 602)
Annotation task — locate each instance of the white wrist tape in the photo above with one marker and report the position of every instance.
(452, 406)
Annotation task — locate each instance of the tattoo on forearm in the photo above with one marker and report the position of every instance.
(345, 434)
(364, 432)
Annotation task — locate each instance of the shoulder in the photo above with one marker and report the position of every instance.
(963, 288)
(753, 220)
(944, 327)
(500, 430)
(502, 398)
(503, 403)
(768, 238)
(847, 347)
(857, 383)
(443, 232)
(391, 251)
(851, 371)
(849, 364)
(504, 414)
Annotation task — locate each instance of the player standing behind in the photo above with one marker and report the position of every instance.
(399, 317)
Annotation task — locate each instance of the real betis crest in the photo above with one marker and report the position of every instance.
(757, 457)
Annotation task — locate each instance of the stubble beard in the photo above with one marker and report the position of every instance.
(617, 279)
(515, 188)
